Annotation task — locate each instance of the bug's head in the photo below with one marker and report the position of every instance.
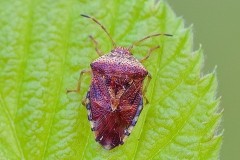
(122, 51)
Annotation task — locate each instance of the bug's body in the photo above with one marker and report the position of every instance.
(115, 97)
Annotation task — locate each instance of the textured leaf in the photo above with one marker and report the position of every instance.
(43, 47)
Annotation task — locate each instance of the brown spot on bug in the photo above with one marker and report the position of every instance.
(115, 98)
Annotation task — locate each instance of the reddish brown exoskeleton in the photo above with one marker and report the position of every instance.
(115, 98)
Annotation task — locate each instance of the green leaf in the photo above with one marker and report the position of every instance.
(43, 47)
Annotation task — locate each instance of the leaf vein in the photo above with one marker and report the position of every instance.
(194, 106)
(66, 45)
(11, 123)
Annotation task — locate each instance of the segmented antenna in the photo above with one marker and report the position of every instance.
(150, 36)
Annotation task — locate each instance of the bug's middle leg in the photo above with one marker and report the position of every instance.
(79, 81)
(85, 100)
(149, 78)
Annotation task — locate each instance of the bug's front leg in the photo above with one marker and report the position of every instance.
(100, 53)
(149, 53)
(79, 81)
(149, 78)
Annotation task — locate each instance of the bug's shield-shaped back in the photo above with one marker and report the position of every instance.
(114, 106)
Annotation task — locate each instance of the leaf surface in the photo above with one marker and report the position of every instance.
(43, 47)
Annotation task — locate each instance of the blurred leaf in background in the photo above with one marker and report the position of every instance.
(43, 47)
(216, 27)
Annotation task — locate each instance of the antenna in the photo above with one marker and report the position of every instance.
(96, 21)
(150, 36)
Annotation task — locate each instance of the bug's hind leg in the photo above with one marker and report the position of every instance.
(149, 78)
(79, 81)
(100, 53)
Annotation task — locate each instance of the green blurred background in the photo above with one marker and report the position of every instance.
(216, 25)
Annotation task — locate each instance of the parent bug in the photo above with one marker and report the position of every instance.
(115, 98)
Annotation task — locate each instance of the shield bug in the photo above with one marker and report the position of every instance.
(115, 98)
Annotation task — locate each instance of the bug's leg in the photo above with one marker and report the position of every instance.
(149, 78)
(85, 100)
(104, 29)
(79, 81)
(149, 53)
(100, 53)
